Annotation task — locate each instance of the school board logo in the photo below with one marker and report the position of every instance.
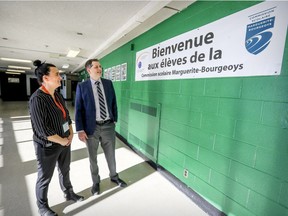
(258, 35)
(142, 62)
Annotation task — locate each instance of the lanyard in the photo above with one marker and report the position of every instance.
(58, 104)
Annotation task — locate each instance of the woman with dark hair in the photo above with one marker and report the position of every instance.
(52, 135)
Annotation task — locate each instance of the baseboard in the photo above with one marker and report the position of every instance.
(195, 197)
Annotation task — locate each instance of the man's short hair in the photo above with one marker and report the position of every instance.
(88, 63)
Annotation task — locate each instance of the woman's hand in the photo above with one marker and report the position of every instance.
(65, 141)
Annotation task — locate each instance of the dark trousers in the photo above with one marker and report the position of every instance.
(47, 159)
(105, 135)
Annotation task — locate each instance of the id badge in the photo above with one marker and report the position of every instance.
(65, 127)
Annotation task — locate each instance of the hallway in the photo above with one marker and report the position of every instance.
(148, 191)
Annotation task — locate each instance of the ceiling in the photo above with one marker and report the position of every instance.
(46, 30)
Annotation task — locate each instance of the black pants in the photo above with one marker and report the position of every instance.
(47, 158)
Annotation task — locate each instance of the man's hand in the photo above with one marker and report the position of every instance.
(82, 136)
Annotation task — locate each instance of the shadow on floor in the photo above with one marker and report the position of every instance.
(107, 188)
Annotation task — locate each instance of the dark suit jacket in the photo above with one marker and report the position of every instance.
(85, 110)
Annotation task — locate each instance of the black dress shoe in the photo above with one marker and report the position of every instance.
(70, 195)
(47, 212)
(119, 182)
(95, 190)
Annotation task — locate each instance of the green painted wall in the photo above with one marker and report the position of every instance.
(229, 133)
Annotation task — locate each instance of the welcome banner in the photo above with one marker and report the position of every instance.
(248, 43)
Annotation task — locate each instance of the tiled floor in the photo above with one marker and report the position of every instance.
(148, 192)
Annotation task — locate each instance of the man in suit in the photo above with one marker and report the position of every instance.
(95, 118)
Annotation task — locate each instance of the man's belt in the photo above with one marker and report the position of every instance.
(102, 122)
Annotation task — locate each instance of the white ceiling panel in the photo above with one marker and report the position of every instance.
(46, 30)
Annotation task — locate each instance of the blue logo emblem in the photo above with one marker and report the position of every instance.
(258, 35)
(142, 62)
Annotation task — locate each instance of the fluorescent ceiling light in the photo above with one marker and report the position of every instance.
(65, 66)
(19, 67)
(16, 60)
(61, 71)
(12, 73)
(13, 70)
(73, 52)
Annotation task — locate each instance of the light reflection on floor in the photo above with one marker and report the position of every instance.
(148, 192)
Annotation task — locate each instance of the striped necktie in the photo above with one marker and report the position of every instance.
(103, 113)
